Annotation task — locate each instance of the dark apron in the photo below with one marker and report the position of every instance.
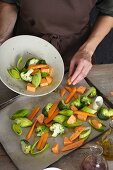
(64, 23)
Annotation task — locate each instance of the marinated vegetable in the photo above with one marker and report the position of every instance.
(31, 61)
(26, 76)
(104, 113)
(23, 122)
(85, 101)
(57, 129)
(88, 109)
(46, 109)
(77, 123)
(26, 147)
(14, 72)
(36, 80)
(62, 105)
(60, 119)
(97, 125)
(66, 112)
(91, 92)
(77, 103)
(17, 129)
(85, 134)
(20, 113)
(41, 129)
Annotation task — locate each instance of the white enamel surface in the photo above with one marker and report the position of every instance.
(26, 45)
(52, 168)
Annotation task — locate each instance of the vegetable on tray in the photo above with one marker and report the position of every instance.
(104, 113)
(57, 129)
(41, 129)
(20, 113)
(97, 124)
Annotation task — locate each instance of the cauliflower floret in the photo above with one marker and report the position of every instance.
(26, 76)
(57, 129)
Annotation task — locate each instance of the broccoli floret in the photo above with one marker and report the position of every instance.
(77, 103)
(41, 61)
(41, 129)
(46, 109)
(31, 61)
(62, 105)
(86, 100)
(57, 129)
(26, 76)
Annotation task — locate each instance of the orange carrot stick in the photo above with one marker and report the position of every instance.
(81, 89)
(70, 96)
(53, 108)
(33, 113)
(42, 141)
(84, 113)
(49, 119)
(67, 141)
(62, 92)
(69, 89)
(74, 145)
(55, 149)
(31, 130)
(73, 108)
(77, 133)
(37, 66)
(69, 81)
(82, 117)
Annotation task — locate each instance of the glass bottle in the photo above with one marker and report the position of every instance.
(95, 161)
(107, 142)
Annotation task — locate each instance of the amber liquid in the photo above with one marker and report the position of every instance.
(107, 150)
(91, 164)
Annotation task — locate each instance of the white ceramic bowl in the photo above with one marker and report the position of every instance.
(25, 45)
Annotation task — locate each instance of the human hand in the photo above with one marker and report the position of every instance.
(82, 59)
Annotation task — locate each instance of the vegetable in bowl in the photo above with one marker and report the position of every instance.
(35, 72)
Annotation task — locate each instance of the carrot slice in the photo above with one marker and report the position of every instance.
(81, 89)
(69, 81)
(55, 149)
(74, 145)
(67, 141)
(37, 66)
(71, 120)
(82, 117)
(31, 87)
(73, 108)
(49, 119)
(49, 79)
(53, 108)
(70, 96)
(62, 92)
(84, 113)
(42, 141)
(40, 118)
(28, 136)
(33, 113)
(45, 70)
(69, 89)
(78, 131)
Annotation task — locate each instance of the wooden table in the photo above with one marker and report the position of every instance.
(101, 76)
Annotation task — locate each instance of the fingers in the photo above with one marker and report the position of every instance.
(72, 67)
(81, 72)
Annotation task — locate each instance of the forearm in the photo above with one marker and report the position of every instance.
(8, 16)
(102, 27)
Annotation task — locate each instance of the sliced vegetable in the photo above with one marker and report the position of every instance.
(20, 113)
(28, 136)
(84, 113)
(33, 113)
(23, 122)
(40, 118)
(96, 124)
(66, 112)
(88, 109)
(41, 129)
(103, 113)
(26, 76)
(57, 129)
(60, 119)
(62, 105)
(67, 141)
(73, 145)
(37, 66)
(17, 129)
(36, 80)
(77, 123)
(53, 108)
(26, 147)
(31, 61)
(49, 119)
(77, 132)
(97, 104)
(44, 74)
(85, 134)
(82, 117)
(55, 149)
(91, 92)
(49, 79)
(81, 89)
(46, 109)
(69, 89)
(42, 141)
(43, 82)
(73, 108)
(85, 100)
(14, 73)
(62, 92)
(38, 152)
(19, 63)
(70, 96)
(31, 87)
(41, 61)
(71, 120)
